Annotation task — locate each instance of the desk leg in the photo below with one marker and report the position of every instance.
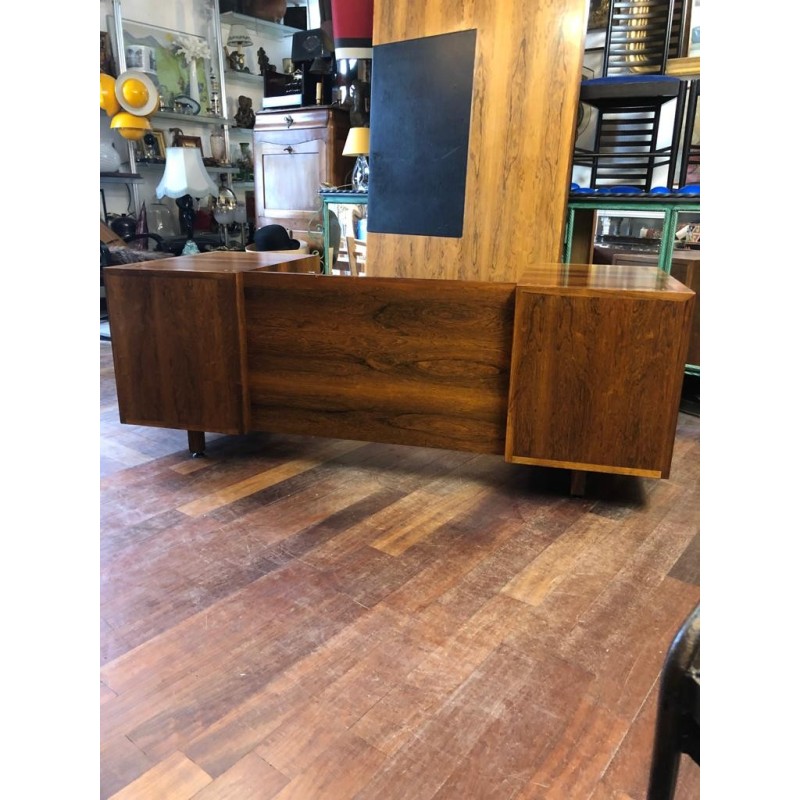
(577, 482)
(197, 443)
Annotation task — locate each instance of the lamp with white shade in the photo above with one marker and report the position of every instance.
(186, 177)
(357, 144)
(238, 37)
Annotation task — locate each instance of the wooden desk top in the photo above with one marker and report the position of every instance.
(549, 278)
(566, 278)
(227, 261)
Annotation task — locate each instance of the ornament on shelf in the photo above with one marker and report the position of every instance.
(192, 49)
(263, 62)
(218, 147)
(214, 104)
(245, 117)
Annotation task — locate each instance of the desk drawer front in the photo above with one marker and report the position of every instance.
(292, 120)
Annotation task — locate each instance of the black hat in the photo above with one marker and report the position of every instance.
(274, 237)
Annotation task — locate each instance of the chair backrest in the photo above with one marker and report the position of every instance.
(679, 34)
(641, 37)
(356, 254)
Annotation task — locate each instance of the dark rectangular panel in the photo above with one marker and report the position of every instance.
(419, 136)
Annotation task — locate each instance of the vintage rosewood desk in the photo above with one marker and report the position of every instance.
(574, 366)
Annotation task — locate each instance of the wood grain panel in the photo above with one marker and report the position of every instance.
(524, 112)
(176, 348)
(597, 371)
(686, 268)
(407, 362)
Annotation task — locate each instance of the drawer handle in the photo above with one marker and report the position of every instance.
(289, 121)
(289, 149)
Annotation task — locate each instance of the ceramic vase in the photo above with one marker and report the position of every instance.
(218, 147)
(247, 155)
(110, 160)
(194, 86)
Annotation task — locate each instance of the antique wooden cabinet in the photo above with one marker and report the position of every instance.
(296, 152)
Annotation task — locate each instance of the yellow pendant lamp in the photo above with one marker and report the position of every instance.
(129, 126)
(108, 98)
(136, 93)
(129, 100)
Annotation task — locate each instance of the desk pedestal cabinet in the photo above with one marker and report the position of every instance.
(575, 366)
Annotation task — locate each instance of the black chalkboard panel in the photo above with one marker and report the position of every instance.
(419, 134)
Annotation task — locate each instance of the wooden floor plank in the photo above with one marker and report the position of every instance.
(297, 617)
(339, 771)
(625, 772)
(250, 778)
(256, 483)
(121, 763)
(251, 721)
(176, 777)
(577, 761)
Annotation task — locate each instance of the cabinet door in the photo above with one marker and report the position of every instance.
(292, 174)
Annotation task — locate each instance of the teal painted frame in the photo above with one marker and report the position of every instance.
(329, 198)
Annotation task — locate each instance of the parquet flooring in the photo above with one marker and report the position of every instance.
(320, 619)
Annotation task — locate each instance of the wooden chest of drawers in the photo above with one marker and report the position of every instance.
(296, 152)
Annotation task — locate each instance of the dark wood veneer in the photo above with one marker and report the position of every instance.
(409, 362)
(594, 356)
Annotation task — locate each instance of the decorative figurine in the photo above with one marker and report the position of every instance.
(263, 62)
(245, 117)
(215, 105)
(236, 60)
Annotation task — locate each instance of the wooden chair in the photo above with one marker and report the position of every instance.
(356, 255)
(678, 720)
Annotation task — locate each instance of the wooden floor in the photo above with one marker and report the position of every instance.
(323, 619)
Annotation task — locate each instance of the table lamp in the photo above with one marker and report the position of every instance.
(238, 38)
(185, 177)
(357, 144)
(225, 207)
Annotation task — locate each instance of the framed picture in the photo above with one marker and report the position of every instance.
(189, 141)
(106, 55)
(598, 14)
(151, 148)
(161, 141)
(156, 51)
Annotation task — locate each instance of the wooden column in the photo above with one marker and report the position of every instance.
(524, 111)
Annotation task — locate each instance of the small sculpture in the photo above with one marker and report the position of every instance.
(263, 62)
(245, 117)
(235, 60)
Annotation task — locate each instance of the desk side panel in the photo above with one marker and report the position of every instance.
(596, 380)
(175, 338)
(417, 362)
(686, 269)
